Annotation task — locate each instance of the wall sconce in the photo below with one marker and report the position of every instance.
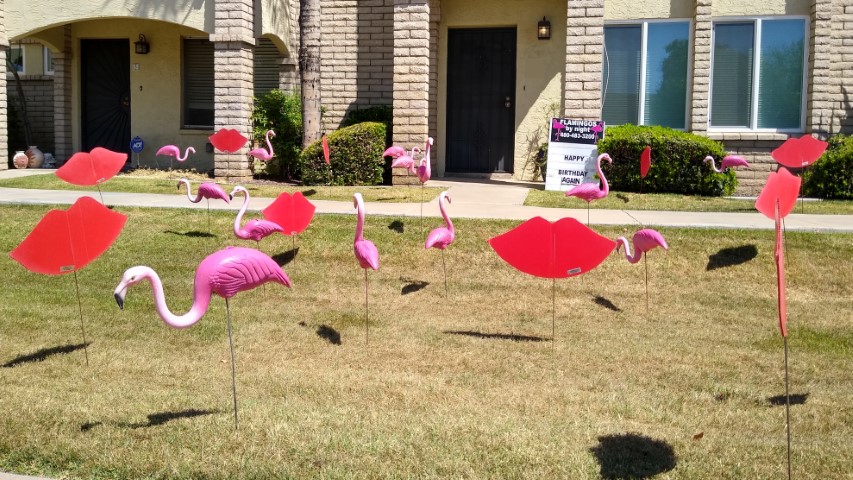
(543, 29)
(142, 46)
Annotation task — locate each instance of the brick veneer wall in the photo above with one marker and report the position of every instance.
(4, 111)
(357, 53)
(841, 67)
(38, 92)
(699, 101)
(584, 49)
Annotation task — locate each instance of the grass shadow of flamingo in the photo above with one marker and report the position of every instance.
(284, 258)
(731, 256)
(498, 336)
(45, 353)
(631, 456)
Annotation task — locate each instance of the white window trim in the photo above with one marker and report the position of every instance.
(47, 54)
(644, 28)
(756, 70)
(23, 57)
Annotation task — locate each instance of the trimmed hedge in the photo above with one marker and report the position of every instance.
(355, 155)
(832, 175)
(677, 161)
(280, 112)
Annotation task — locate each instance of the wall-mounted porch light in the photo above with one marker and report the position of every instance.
(543, 29)
(142, 46)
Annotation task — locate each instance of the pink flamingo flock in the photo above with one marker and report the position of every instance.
(255, 229)
(729, 161)
(442, 237)
(206, 190)
(264, 154)
(591, 191)
(174, 151)
(225, 273)
(643, 240)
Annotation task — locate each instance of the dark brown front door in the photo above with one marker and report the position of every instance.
(105, 78)
(480, 100)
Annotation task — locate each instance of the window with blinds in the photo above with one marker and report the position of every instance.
(198, 84)
(771, 51)
(644, 75)
(267, 60)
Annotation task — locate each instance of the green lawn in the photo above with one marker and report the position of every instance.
(468, 386)
(675, 202)
(156, 181)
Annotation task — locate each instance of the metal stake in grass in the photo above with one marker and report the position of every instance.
(82, 326)
(787, 407)
(233, 365)
(366, 312)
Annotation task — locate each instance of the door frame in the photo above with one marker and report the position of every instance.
(83, 135)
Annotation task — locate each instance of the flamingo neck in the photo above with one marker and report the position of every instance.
(239, 219)
(269, 144)
(186, 154)
(201, 300)
(426, 159)
(446, 217)
(189, 195)
(605, 187)
(713, 164)
(359, 227)
(631, 258)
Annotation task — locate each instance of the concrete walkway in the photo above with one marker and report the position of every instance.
(472, 198)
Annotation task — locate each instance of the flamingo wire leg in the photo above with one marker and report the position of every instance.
(587, 214)
(366, 312)
(293, 246)
(233, 366)
(82, 326)
(101, 194)
(553, 310)
(787, 407)
(422, 209)
(208, 215)
(444, 269)
(646, 265)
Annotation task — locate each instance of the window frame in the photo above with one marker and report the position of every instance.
(185, 125)
(644, 32)
(47, 58)
(757, 22)
(20, 47)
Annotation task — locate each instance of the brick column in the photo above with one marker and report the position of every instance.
(411, 74)
(700, 99)
(233, 82)
(584, 48)
(4, 112)
(819, 100)
(841, 67)
(63, 148)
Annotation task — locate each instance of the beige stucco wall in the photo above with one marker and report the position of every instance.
(727, 8)
(273, 19)
(25, 17)
(155, 88)
(643, 9)
(540, 63)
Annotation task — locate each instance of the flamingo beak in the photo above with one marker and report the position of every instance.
(119, 295)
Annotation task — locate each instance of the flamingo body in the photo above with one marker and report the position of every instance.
(262, 153)
(365, 251)
(728, 161)
(206, 190)
(644, 240)
(441, 237)
(424, 171)
(255, 229)
(225, 273)
(174, 151)
(394, 151)
(591, 191)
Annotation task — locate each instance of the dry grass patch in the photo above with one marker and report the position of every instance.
(420, 401)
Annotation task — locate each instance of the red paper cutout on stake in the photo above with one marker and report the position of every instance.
(65, 241)
(562, 249)
(779, 254)
(645, 161)
(292, 212)
(228, 140)
(799, 152)
(782, 186)
(92, 168)
(326, 149)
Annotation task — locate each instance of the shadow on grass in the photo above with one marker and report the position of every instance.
(606, 303)
(309, 192)
(330, 334)
(284, 258)
(498, 336)
(623, 197)
(729, 257)
(397, 226)
(412, 286)
(44, 354)
(796, 399)
(191, 234)
(155, 419)
(632, 456)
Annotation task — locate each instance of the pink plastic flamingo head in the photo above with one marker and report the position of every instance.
(131, 277)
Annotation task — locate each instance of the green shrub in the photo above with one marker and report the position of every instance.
(832, 175)
(280, 112)
(355, 155)
(677, 161)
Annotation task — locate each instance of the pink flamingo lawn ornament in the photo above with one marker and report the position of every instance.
(424, 173)
(206, 190)
(643, 240)
(728, 162)
(255, 229)
(174, 151)
(591, 191)
(226, 272)
(442, 237)
(261, 153)
(366, 254)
